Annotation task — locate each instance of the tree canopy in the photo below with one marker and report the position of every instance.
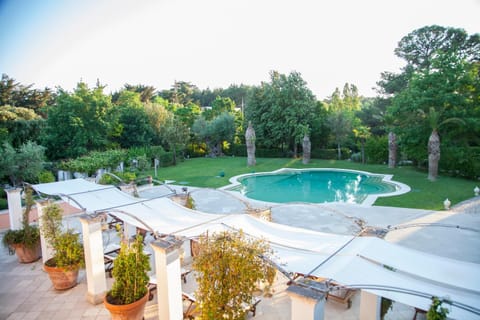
(279, 109)
(442, 72)
(77, 122)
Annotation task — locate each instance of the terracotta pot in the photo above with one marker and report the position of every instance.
(62, 278)
(26, 254)
(132, 311)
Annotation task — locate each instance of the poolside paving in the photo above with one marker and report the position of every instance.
(26, 291)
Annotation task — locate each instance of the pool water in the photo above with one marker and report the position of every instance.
(315, 186)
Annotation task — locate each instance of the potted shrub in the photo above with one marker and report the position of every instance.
(25, 241)
(129, 293)
(68, 256)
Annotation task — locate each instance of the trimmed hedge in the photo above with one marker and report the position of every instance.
(240, 150)
(331, 154)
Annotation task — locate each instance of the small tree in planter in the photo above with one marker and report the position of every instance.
(25, 241)
(229, 266)
(69, 256)
(129, 293)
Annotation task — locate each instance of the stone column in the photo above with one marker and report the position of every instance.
(168, 273)
(47, 250)
(369, 306)
(307, 303)
(14, 208)
(94, 264)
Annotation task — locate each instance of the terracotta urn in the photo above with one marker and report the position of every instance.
(62, 278)
(131, 311)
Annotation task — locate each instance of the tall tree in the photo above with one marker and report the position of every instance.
(219, 106)
(181, 92)
(451, 87)
(441, 72)
(176, 136)
(132, 121)
(15, 94)
(77, 122)
(215, 132)
(342, 108)
(23, 164)
(188, 113)
(420, 47)
(20, 125)
(146, 93)
(279, 108)
(434, 119)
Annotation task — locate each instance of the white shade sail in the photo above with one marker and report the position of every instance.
(404, 275)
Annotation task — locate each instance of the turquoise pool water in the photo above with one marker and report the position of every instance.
(314, 186)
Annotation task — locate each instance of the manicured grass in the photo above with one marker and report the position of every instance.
(205, 172)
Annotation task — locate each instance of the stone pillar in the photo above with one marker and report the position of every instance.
(306, 149)
(47, 250)
(369, 306)
(168, 273)
(14, 208)
(307, 303)
(94, 265)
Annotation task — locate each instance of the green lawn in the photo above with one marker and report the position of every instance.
(204, 172)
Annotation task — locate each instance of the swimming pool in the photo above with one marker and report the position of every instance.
(316, 186)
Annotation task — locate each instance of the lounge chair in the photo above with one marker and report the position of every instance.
(111, 252)
(340, 294)
(191, 311)
(152, 283)
(252, 307)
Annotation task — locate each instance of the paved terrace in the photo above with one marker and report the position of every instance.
(26, 291)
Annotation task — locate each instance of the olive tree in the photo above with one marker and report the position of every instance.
(229, 266)
(22, 164)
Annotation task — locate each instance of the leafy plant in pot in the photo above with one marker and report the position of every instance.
(68, 256)
(129, 293)
(25, 241)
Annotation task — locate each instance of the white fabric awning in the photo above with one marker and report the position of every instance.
(368, 262)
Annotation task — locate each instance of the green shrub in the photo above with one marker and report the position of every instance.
(356, 157)
(126, 177)
(135, 152)
(166, 159)
(46, 176)
(461, 161)
(143, 163)
(331, 154)
(3, 204)
(94, 160)
(155, 152)
(238, 150)
(376, 150)
(195, 150)
(269, 153)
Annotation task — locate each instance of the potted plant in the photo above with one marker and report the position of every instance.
(68, 256)
(25, 241)
(129, 293)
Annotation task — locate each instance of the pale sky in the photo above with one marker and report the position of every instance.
(214, 43)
